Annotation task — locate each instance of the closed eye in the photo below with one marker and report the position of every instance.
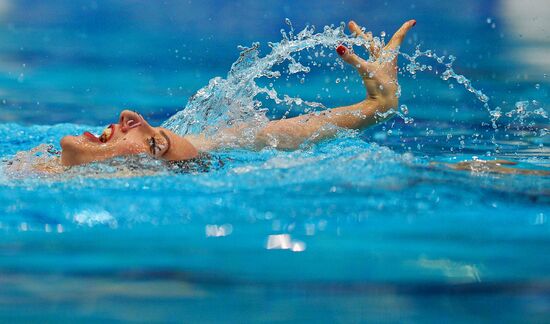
(154, 148)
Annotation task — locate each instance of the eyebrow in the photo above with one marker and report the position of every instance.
(167, 140)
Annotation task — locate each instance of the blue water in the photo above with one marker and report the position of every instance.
(361, 228)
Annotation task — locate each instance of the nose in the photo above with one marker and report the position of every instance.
(130, 119)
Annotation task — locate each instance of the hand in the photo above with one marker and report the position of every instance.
(379, 73)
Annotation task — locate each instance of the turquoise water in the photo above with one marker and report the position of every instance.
(361, 228)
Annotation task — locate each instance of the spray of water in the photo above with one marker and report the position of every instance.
(233, 100)
(224, 102)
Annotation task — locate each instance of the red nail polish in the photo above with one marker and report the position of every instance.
(341, 49)
(414, 23)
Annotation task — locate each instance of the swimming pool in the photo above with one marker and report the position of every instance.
(360, 228)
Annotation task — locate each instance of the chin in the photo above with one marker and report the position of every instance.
(70, 151)
(67, 141)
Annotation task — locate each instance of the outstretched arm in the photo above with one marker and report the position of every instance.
(380, 79)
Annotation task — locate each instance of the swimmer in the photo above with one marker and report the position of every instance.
(132, 134)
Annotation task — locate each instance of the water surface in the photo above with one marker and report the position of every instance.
(360, 228)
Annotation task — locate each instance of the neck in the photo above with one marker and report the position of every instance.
(181, 149)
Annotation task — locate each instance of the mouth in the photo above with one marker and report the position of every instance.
(107, 134)
(104, 137)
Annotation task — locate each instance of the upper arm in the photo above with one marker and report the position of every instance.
(290, 133)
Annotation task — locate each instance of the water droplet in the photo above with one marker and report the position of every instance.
(537, 86)
(337, 80)
(23, 227)
(489, 20)
(383, 34)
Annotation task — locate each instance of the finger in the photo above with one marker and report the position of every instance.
(375, 47)
(349, 57)
(400, 34)
(355, 28)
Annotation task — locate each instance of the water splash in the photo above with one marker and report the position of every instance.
(234, 100)
(526, 114)
(31, 163)
(414, 66)
(230, 101)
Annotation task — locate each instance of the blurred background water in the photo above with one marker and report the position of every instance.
(357, 229)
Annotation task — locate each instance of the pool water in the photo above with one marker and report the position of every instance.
(366, 227)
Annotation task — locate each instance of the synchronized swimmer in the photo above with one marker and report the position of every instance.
(133, 135)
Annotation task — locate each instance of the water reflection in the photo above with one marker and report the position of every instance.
(454, 271)
(218, 230)
(92, 218)
(284, 242)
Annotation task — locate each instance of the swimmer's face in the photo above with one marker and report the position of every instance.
(132, 135)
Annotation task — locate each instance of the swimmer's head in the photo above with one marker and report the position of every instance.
(132, 135)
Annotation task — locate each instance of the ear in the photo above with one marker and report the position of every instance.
(180, 148)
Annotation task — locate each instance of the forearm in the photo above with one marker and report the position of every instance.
(290, 133)
(360, 115)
